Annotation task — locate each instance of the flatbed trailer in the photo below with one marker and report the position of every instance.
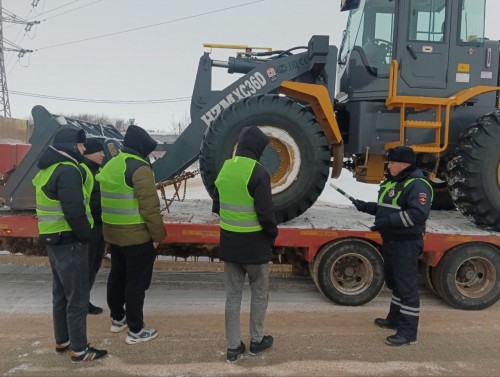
(333, 243)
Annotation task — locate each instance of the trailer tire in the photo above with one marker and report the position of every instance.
(297, 158)
(468, 276)
(474, 172)
(426, 272)
(351, 272)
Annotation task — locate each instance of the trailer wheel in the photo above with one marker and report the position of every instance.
(468, 276)
(351, 272)
(474, 172)
(297, 158)
(426, 274)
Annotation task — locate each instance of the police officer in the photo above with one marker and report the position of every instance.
(403, 206)
(64, 224)
(248, 228)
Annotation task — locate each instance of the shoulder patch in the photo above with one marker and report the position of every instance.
(422, 198)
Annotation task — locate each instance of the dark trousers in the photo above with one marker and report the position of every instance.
(96, 252)
(401, 276)
(129, 278)
(70, 293)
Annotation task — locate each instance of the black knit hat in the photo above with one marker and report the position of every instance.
(402, 154)
(66, 140)
(92, 146)
(70, 135)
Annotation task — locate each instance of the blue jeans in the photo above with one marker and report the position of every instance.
(234, 278)
(70, 293)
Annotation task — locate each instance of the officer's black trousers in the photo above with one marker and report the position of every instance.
(401, 276)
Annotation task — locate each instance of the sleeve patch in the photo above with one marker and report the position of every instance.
(422, 198)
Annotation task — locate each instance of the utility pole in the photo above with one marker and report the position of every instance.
(4, 104)
(12, 18)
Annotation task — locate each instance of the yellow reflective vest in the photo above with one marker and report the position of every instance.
(237, 210)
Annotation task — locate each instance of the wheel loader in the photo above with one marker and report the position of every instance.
(416, 72)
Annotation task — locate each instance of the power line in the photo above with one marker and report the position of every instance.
(71, 10)
(151, 26)
(107, 101)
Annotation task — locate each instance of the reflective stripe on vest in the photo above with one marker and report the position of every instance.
(88, 185)
(49, 211)
(119, 204)
(237, 211)
(391, 185)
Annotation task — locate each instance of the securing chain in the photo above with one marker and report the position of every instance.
(178, 183)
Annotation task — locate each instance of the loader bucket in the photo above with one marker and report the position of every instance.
(19, 193)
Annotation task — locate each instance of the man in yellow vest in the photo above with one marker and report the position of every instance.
(243, 200)
(64, 224)
(133, 226)
(93, 159)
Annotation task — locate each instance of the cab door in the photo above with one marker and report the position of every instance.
(423, 44)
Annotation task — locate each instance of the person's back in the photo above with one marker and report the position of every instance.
(243, 200)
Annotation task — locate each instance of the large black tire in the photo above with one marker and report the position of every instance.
(297, 158)
(474, 172)
(351, 272)
(468, 276)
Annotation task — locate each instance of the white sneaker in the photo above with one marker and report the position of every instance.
(145, 335)
(117, 326)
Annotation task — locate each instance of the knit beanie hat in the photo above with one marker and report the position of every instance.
(92, 146)
(402, 154)
(66, 140)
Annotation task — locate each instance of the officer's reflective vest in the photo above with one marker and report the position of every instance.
(49, 211)
(118, 201)
(237, 211)
(391, 185)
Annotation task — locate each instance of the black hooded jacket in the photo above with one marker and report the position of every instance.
(252, 247)
(66, 185)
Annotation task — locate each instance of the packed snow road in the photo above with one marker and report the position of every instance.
(313, 337)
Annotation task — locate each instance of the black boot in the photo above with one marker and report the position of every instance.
(95, 310)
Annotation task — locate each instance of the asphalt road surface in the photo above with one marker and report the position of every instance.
(313, 337)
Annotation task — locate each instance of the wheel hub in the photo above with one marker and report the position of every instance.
(475, 276)
(281, 158)
(351, 274)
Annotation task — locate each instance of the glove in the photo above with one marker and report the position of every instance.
(381, 224)
(360, 205)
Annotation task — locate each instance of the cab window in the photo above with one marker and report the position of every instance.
(427, 20)
(472, 21)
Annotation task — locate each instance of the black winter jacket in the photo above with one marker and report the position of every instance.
(414, 202)
(252, 247)
(66, 185)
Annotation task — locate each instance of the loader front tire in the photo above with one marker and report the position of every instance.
(297, 157)
(474, 172)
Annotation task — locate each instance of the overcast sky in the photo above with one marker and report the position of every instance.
(152, 63)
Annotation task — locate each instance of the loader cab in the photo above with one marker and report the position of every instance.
(367, 48)
(439, 44)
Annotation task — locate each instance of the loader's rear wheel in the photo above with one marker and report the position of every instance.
(467, 277)
(474, 172)
(297, 158)
(350, 272)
